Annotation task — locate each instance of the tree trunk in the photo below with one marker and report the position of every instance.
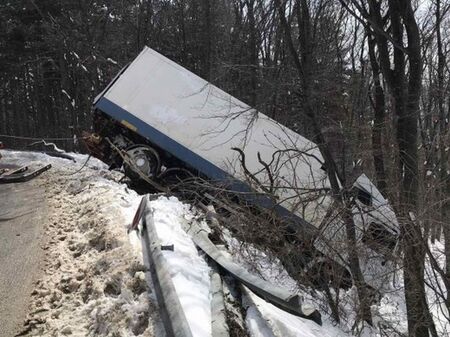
(444, 183)
(405, 85)
(378, 123)
(419, 317)
(305, 67)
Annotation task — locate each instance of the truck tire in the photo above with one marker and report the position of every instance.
(144, 160)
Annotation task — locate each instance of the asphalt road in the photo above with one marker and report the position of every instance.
(22, 218)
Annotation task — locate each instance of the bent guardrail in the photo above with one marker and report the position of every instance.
(172, 313)
(278, 296)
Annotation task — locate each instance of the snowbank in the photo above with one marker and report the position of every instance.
(93, 281)
(281, 323)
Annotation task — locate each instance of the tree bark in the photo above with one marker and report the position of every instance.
(419, 318)
(305, 67)
(378, 122)
(444, 183)
(405, 85)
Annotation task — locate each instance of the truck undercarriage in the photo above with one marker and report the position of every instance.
(142, 161)
(151, 169)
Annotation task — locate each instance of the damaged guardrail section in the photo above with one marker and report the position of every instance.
(276, 295)
(172, 313)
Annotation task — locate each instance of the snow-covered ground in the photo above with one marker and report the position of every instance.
(94, 279)
(93, 282)
(190, 275)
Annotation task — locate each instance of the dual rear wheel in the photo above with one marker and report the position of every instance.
(143, 160)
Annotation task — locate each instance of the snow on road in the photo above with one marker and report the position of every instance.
(93, 282)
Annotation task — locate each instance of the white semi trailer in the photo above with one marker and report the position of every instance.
(160, 114)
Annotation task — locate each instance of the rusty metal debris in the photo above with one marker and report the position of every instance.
(21, 174)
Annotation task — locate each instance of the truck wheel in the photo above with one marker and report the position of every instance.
(144, 160)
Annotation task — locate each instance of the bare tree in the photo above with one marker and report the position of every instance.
(403, 72)
(306, 65)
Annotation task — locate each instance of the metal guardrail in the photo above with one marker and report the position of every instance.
(172, 314)
(278, 296)
(219, 324)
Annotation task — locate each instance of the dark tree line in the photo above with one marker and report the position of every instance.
(57, 55)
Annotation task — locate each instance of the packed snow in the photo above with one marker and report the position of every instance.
(95, 283)
(281, 323)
